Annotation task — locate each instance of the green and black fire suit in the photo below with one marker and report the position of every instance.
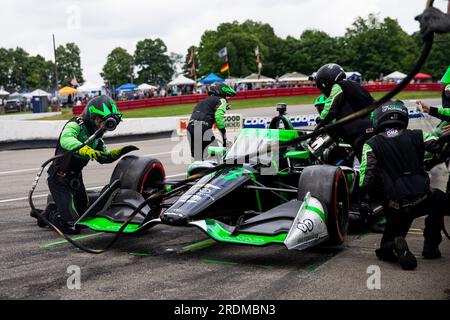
(348, 97)
(442, 113)
(65, 179)
(207, 113)
(393, 163)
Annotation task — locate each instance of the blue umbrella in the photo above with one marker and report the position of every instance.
(211, 79)
(126, 87)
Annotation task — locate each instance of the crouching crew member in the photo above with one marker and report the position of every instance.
(393, 161)
(65, 179)
(207, 113)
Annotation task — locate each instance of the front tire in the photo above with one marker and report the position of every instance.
(329, 185)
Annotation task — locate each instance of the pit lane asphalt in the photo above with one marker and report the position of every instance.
(179, 263)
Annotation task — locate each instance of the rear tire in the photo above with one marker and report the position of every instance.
(329, 185)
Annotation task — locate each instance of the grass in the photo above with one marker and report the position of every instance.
(186, 109)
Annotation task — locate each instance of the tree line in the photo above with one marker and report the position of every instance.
(370, 45)
(20, 71)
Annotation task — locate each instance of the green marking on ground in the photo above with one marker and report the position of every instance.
(363, 235)
(140, 254)
(313, 267)
(199, 245)
(231, 263)
(57, 243)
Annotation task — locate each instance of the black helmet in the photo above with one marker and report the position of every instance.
(104, 108)
(328, 76)
(392, 114)
(221, 90)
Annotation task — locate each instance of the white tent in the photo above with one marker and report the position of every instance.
(395, 76)
(3, 93)
(89, 87)
(40, 93)
(253, 78)
(293, 77)
(146, 87)
(181, 81)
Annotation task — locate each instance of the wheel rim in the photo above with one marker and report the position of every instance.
(341, 206)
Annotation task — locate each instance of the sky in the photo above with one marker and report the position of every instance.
(98, 26)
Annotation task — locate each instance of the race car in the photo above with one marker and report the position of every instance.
(286, 196)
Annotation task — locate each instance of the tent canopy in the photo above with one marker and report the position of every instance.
(395, 76)
(3, 92)
(127, 87)
(423, 76)
(253, 78)
(89, 87)
(145, 86)
(40, 93)
(211, 78)
(293, 77)
(181, 81)
(67, 91)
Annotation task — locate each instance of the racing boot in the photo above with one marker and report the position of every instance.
(405, 257)
(431, 252)
(386, 252)
(65, 227)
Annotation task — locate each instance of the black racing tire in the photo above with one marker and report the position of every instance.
(329, 185)
(139, 173)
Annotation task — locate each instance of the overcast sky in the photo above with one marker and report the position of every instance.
(98, 26)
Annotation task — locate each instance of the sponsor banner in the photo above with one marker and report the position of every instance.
(233, 122)
(310, 120)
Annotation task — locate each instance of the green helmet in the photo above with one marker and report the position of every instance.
(221, 90)
(320, 103)
(104, 108)
(446, 77)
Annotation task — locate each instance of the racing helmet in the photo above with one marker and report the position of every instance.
(104, 108)
(392, 114)
(221, 90)
(446, 77)
(320, 103)
(446, 97)
(328, 76)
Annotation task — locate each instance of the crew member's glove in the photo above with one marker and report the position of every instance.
(88, 152)
(433, 21)
(116, 154)
(365, 210)
(223, 132)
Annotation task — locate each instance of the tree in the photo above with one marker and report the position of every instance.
(40, 73)
(438, 61)
(69, 64)
(153, 63)
(241, 41)
(5, 68)
(119, 67)
(375, 47)
(19, 69)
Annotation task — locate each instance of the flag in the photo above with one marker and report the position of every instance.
(191, 58)
(258, 61)
(223, 53)
(225, 67)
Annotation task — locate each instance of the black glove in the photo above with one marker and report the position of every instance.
(433, 21)
(223, 132)
(365, 210)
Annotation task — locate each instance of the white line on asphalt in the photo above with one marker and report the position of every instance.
(18, 171)
(89, 189)
(36, 169)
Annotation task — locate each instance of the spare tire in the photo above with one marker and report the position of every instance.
(139, 173)
(328, 184)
